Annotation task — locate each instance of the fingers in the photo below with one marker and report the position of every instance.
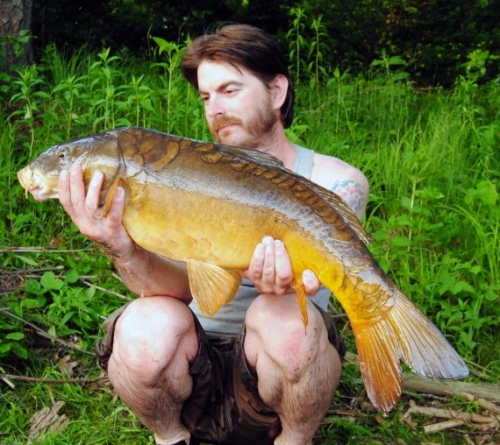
(65, 192)
(72, 191)
(115, 215)
(311, 282)
(82, 206)
(282, 266)
(76, 186)
(93, 193)
(72, 195)
(270, 268)
(108, 232)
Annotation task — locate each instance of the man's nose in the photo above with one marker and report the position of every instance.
(214, 107)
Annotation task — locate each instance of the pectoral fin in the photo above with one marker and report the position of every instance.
(212, 286)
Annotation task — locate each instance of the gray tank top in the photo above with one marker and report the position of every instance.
(230, 318)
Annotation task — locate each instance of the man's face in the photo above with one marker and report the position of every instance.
(238, 106)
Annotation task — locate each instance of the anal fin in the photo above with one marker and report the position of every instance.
(302, 300)
(379, 359)
(212, 286)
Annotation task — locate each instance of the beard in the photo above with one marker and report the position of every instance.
(260, 123)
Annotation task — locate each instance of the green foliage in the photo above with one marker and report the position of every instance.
(433, 38)
(431, 157)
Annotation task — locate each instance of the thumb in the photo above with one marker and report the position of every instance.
(311, 282)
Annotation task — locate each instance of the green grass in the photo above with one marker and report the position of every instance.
(431, 158)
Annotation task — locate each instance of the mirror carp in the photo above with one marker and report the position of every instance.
(209, 205)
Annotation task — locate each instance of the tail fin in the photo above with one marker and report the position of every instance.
(426, 350)
(403, 334)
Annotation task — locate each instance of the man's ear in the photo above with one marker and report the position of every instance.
(279, 88)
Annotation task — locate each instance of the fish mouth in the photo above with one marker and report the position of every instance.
(38, 184)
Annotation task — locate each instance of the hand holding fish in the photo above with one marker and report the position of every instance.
(107, 232)
(271, 272)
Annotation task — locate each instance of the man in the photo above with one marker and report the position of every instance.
(249, 375)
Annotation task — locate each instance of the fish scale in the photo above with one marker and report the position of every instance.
(209, 205)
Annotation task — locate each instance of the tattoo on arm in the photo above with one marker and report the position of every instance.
(351, 192)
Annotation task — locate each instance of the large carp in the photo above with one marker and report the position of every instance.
(210, 205)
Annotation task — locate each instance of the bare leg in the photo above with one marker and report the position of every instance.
(155, 340)
(297, 370)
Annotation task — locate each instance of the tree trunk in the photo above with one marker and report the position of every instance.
(15, 47)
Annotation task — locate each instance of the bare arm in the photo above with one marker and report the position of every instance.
(144, 274)
(345, 180)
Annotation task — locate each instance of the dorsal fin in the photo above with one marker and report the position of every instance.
(253, 155)
(159, 149)
(269, 166)
(345, 211)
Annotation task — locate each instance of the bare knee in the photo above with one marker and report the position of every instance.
(150, 334)
(275, 330)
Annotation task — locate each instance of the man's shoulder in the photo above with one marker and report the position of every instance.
(329, 169)
(342, 178)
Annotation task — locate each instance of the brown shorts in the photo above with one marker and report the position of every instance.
(224, 406)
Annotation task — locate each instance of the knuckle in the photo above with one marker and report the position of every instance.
(285, 277)
(268, 273)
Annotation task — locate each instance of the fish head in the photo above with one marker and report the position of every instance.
(95, 153)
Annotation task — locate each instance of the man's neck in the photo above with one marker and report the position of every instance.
(278, 145)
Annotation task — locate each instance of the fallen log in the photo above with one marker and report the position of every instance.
(487, 395)
(455, 388)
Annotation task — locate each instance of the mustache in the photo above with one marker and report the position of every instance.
(222, 121)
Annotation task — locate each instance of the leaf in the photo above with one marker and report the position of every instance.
(400, 241)
(15, 336)
(396, 60)
(487, 193)
(90, 292)
(33, 287)
(52, 332)
(50, 282)
(20, 351)
(72, 276)
(66, 318)
(27, 260)
(462, 286)
(4, 348)
(380, 235)
(33, 303)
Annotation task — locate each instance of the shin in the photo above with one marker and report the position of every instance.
(155, 340)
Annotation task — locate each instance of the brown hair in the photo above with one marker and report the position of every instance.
(245, 45)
